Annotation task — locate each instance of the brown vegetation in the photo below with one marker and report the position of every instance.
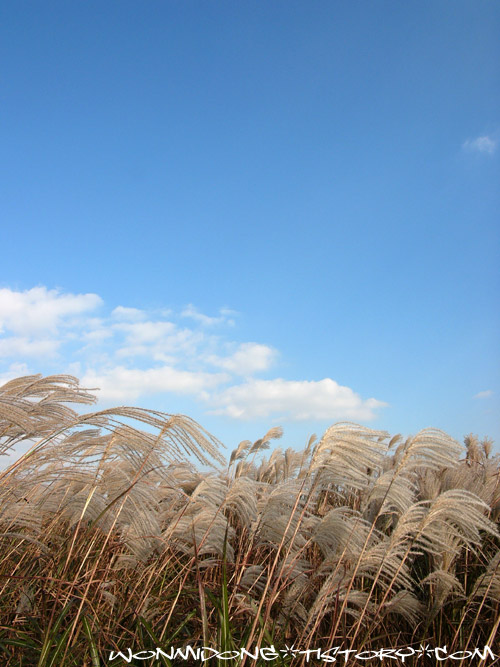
(111, 537)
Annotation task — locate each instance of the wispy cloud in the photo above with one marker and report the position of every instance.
(130, 353)
(15, 370)
(20, 346)
(484, 144)
(128, 314)
(225, 316)
(484, 394)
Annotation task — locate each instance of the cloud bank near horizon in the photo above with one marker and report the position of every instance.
(129, 353)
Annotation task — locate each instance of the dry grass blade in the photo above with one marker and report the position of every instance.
(347, 453)
(110, 534)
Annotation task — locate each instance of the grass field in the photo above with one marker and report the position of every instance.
(112, 537)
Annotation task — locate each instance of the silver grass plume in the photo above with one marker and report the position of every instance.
(346, 452)
(487, 586)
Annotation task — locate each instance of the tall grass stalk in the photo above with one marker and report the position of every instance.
(112, 539)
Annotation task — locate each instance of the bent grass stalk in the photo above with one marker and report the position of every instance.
(114, 538)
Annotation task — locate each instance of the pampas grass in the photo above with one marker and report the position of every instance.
(111, 537)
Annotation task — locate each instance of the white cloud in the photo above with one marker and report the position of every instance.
(138, 333)
(128, 384)
(295, 400)
(39, 309)
(24, 347)
(249, 358)
(205, 320)
(159, 340)
(92, 330)
(484, 394)
(128, 314)
(97, 335)
(483, 144)
(130, 353)
(15, 370)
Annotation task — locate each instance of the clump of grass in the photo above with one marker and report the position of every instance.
(112, 538)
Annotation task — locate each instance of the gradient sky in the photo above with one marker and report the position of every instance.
(256, 213)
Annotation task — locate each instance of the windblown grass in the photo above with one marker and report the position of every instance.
(110, 537)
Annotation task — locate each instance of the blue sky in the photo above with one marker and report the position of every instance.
(256, 213)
